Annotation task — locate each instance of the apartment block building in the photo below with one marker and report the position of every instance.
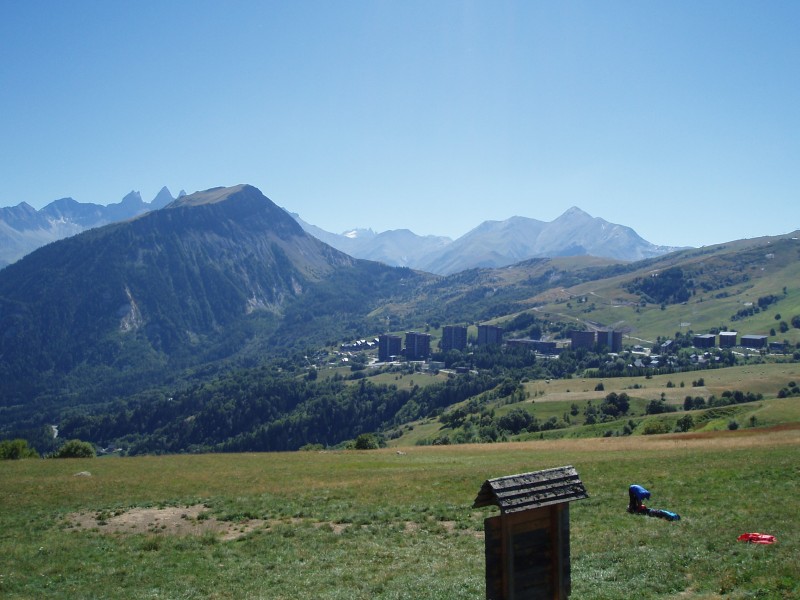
(418, 345)
(389, 347)
(489, 334)
(454, 337)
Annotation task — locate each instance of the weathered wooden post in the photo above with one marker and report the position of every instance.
(527, 545)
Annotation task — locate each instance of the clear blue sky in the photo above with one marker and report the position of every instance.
(680, 119)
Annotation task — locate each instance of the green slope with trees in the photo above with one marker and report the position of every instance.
(211, 325)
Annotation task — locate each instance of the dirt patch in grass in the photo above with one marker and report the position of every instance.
(195, 520)
(173, 520)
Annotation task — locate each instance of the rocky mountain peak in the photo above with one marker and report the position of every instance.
(500, 243)
(211, 196)
(132, 197)
(163, 198)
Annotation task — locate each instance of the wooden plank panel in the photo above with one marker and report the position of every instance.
(565, 567)
(493, 547)
(533, 563)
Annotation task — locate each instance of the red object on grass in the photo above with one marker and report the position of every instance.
(757, 538)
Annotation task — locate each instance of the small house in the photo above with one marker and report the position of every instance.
(527, 545)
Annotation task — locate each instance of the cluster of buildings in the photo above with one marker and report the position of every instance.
(728, 339)
(418, 345)
(454, 337)
(359, 345)
(595, 340)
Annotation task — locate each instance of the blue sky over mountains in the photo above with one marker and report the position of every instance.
(677, 119)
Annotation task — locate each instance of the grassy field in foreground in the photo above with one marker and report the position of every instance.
(378, 524)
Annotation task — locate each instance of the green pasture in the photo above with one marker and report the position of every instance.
(555, 398)
(409, 380)
(381, 525)
(766, 379)
(607, 302)
(416, 432)
(763, 413)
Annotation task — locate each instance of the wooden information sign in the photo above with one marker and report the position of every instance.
(527, 546)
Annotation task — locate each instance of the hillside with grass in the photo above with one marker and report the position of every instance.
(188, 499)
(746, 286)
(381, 524)
(745, 397)
(216, 377)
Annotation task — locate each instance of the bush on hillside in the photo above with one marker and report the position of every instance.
(654, 428)
(515, 421)
(657, 407)
(16, 449)
(615, 404)
(75, 449)
(685, 423)
(366, 441)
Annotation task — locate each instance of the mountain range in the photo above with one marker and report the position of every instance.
(199, 280)
(491, 244)
(494, 244)
(222, 302)
(23, 228)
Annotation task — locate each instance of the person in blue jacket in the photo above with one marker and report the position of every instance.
(636, 494)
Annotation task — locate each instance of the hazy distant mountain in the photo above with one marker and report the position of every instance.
(163, 197)
(496, 243)
(348, 242)
(574, 233)
(402, 248)
(23, 228)
(491, 244)
(396, 247)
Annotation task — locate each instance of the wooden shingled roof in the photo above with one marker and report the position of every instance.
(514, 493)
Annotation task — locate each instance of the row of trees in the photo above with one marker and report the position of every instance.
(268, 410)
(18, 449)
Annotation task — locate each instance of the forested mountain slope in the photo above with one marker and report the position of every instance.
(211, 325)
(197, 281)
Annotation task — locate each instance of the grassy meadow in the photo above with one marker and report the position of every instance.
(556, 398)
(383, 524)
(764, 271)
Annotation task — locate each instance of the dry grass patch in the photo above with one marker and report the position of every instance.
(173, 520)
